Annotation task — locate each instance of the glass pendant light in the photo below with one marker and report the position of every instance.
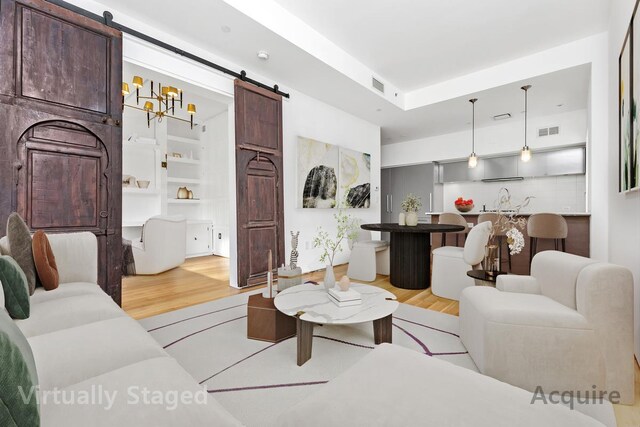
(473, 159)
(525, 154)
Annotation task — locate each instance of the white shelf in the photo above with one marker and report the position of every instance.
(184, 180)
(185, 201)
(171, 159)
(139, 145)
(140, 191)
(182, 139)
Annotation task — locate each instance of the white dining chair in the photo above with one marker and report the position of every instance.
(368, 258)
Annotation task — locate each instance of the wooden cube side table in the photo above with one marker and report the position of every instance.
(266, 323)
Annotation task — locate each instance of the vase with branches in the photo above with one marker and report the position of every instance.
(346, 230)
(508, 223)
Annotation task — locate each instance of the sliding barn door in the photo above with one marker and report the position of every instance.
(60, 135)
(260, 204)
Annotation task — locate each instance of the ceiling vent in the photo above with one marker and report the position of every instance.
(503, 116)
(377, 84)
(550, 131)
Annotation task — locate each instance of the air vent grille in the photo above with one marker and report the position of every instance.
(377, 84)
(550, 131)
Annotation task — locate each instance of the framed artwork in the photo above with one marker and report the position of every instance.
(633, 158)
(624, 113)
(317, 174)
(354, 178)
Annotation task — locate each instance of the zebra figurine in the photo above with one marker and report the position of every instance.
(293, 260)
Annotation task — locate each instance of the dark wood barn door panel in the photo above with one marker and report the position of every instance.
(259, 198)
(60, 103)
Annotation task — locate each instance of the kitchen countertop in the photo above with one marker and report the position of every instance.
(475, 213)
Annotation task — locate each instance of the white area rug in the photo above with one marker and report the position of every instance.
(255, 381)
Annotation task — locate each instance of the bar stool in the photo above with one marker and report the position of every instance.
(546, 226)
(452, 218)
(500, 235)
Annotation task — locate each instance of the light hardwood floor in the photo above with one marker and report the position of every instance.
(205, 279)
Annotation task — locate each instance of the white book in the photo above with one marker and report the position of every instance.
(345, 303)
(345, 296)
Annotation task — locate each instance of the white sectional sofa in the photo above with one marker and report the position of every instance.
(85, 345)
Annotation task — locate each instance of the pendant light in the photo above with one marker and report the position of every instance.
(525, 154)
(473, 159)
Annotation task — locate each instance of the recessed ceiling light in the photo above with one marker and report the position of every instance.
(225, 29)
(559, 105)
(503, 116)
(378, 109)
(263, 54)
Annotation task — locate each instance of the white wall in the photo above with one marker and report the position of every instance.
(568, 195)
(624, 209)
(218, 175)
(307, 117)
(504, 137)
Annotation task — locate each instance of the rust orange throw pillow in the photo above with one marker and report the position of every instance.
(45, 261)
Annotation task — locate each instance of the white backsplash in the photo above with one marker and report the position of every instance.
(552, 194)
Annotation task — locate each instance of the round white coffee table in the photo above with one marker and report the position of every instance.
(310, 304)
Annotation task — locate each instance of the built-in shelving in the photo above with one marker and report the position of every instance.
(140, 191)
(185, 201)
(174, 138)
(177, 180)
(183, 160)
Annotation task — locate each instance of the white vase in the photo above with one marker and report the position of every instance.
(329, 277)
(411, 218)
(401, 219)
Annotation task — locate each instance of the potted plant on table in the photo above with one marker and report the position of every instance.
(410, 205)
(346, 229)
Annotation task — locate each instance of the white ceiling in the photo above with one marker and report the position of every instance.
(415, 43)
(391, 38)
(550, 94)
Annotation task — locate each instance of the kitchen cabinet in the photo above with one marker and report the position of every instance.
(568, 161)
(564, 161)
(500, 167)
(396, 183)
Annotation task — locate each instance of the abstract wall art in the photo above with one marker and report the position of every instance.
(317, 174)
(628, 114)
(354, 178)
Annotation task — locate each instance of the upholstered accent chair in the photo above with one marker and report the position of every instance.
(450, 263)
(368, 258)
(567, 327)
(163, 246)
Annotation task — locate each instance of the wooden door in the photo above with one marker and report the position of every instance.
(60, 101)
(259, 194)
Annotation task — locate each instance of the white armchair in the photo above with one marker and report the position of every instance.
(163, 246)
(567, 327)
(450, 264)
(368, 258)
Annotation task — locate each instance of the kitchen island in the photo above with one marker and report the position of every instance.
(577, 239)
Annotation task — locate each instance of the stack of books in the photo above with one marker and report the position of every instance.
(345, 298)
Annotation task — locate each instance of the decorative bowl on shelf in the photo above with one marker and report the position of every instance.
(143, 184)
(463, 205)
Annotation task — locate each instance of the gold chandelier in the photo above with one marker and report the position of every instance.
(167, 97)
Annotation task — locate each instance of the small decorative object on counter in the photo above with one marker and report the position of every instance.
(347, 229)
(269, 291)
(344, 283)
(463, 205)
(143, 184)
(189, 194)
(293, 259)
(401, 219)
(411, 204)
(183, 193)
(290, 275)
(508, 223)
(128, 181)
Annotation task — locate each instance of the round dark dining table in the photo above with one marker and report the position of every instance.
(411, 252)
